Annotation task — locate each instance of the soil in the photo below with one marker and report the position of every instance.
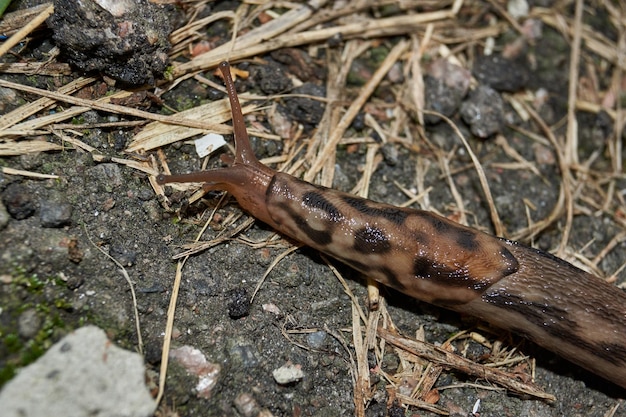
(54, 279)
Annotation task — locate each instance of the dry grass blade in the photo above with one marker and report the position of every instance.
(39, 68)
(327, 151)
(29, 109)
(29, 27)
(453, 361)
(202, 246)
(29, 174)
(158, 134)
(117, 109)
(25, 147)
(246, 47)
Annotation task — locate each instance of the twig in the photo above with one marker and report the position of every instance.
(21, 34)
(453, 361)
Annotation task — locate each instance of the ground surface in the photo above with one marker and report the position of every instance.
(55, 280)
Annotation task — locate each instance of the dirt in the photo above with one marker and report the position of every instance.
(55, 280)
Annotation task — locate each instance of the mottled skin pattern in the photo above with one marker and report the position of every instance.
(430, 258)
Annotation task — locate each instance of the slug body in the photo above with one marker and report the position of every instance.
(524, 290)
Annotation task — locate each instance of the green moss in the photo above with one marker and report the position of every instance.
(78, 120)
(26, 292)
(169, 73)
(7, 373)
(378, 54)
(12, 342)
(32, 283)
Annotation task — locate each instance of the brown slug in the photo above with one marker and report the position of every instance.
(428, 257)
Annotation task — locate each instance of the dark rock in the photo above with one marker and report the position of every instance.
(440, 98)
(74, 282)
(307, 111)
(500, 73)
(239, 305)
(128, 40)
(271, 78)
(483, 111)
(55, 214)
(18, 201)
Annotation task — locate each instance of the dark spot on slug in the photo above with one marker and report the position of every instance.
(557, 322)
(440, 225)
(371, 240)
(422, 267)
(392, 214)
(422, 238)
(467, 240)
(445, 275)
(318, 201)
(392, 279)
(320, 237)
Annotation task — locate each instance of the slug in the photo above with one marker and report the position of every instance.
(428, 257)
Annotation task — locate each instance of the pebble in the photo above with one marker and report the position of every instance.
(390, 154)
(500, 73)
(28, 323)
(82, 375)
(18, 201)
(307, 111)
(55, 214)
(194, 361)
(8, 99)
(239, 305)
(107, 176)
(483, 111)
(440, 98)
(288, 374)
(316, 340)
(4, 216)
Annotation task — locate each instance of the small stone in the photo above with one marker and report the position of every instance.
(246, 405)
(107, 176)
(517, 8)
(4, 216)
(316, 340)
(390, 154)
(500, 73)
(483, 111)
(194, 361)
(239, 305)
(288, 374)
(28, 324)
(74, 282)
(55, 214)
(18, 201)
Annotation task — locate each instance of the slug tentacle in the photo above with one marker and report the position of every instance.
(433, 259)
(247, 178)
